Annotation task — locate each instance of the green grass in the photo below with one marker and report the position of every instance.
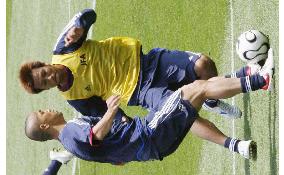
(200, 26)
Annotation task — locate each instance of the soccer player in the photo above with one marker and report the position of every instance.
(87, 72)
(112, 140)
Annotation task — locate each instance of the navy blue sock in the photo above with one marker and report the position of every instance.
(252, 83)
(240, 73)
(211, 102)
(232, 144)
(53, 168)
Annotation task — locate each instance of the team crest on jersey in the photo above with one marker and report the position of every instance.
(83, 60)
(88, 88)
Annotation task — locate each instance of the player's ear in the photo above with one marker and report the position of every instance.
(44, 126)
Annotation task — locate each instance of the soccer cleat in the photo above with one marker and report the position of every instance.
(224, 109)
(267, 71)
(253, 69)
(63, 156)
(248, 149)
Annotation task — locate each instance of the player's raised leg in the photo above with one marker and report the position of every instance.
(252, 69)
(205, 69)
(225, 109)
(215, 88)
(200, 90)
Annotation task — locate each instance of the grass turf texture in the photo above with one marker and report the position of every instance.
(200, 26)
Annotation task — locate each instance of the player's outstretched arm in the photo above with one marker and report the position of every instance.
(75, 32)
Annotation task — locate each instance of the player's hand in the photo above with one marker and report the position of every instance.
(113, 103)
(73, 35)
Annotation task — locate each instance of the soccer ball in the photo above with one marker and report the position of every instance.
(252, 46)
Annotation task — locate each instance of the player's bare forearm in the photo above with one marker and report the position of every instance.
(101, 129)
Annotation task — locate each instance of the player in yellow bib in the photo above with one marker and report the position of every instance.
(102, 68)
(87, 72)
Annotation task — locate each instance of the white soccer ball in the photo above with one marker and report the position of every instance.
(252, 46)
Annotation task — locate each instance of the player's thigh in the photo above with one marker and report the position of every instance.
(170, 124)
(177, 66)
(156, 97)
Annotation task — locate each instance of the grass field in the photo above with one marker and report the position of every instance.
(201, 26)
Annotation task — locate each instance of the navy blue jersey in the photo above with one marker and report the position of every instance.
(153, 137)
(125, 142)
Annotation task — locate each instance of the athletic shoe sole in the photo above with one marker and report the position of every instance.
(253, 150)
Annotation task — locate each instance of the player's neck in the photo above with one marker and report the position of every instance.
(57, 129)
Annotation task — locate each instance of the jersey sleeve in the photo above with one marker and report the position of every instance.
(78, 132)
(83, 19)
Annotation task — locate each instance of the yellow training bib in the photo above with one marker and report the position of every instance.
(103, 68)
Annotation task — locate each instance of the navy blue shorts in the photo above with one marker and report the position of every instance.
(162, 72)
(169, 125)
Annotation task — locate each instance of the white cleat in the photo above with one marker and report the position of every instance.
(248, 149)
(224, 109)
(63, 156)
(267, 71)
(253, 69)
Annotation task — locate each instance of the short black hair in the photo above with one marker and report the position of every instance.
(33, 131)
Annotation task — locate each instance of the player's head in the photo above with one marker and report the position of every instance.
(39, 126)
(37, 76)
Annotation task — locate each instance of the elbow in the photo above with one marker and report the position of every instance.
(90, 14)
(94, 16)
(97, 135)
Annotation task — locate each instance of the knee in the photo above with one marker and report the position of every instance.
(206, 62)
(197, 89)
(201, 86)
(205, 67)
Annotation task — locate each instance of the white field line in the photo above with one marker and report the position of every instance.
(90, 34)
(232, 70)
(74, 166)
(69, 8)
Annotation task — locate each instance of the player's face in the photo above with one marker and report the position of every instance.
(45, 77)
(49, 115)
